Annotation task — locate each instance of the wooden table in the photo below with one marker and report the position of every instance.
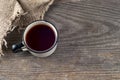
(88, 47)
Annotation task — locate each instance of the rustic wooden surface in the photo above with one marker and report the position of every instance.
(88, 47)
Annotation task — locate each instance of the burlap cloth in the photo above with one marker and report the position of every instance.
(19, 13)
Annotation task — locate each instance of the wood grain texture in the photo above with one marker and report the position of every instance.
(88, 47)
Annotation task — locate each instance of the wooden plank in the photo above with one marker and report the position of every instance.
(88, 47)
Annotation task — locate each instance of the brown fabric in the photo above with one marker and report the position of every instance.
(19, 13)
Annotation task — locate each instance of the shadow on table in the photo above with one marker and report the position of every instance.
(13, 38)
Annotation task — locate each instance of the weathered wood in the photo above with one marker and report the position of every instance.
(88, 47)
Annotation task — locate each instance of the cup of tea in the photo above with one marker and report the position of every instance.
(39, 38)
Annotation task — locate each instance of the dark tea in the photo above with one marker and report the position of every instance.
(40, 37)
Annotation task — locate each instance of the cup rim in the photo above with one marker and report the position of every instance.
(56, 36)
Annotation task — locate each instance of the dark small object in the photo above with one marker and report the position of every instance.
(17, 47)
(41, 37)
